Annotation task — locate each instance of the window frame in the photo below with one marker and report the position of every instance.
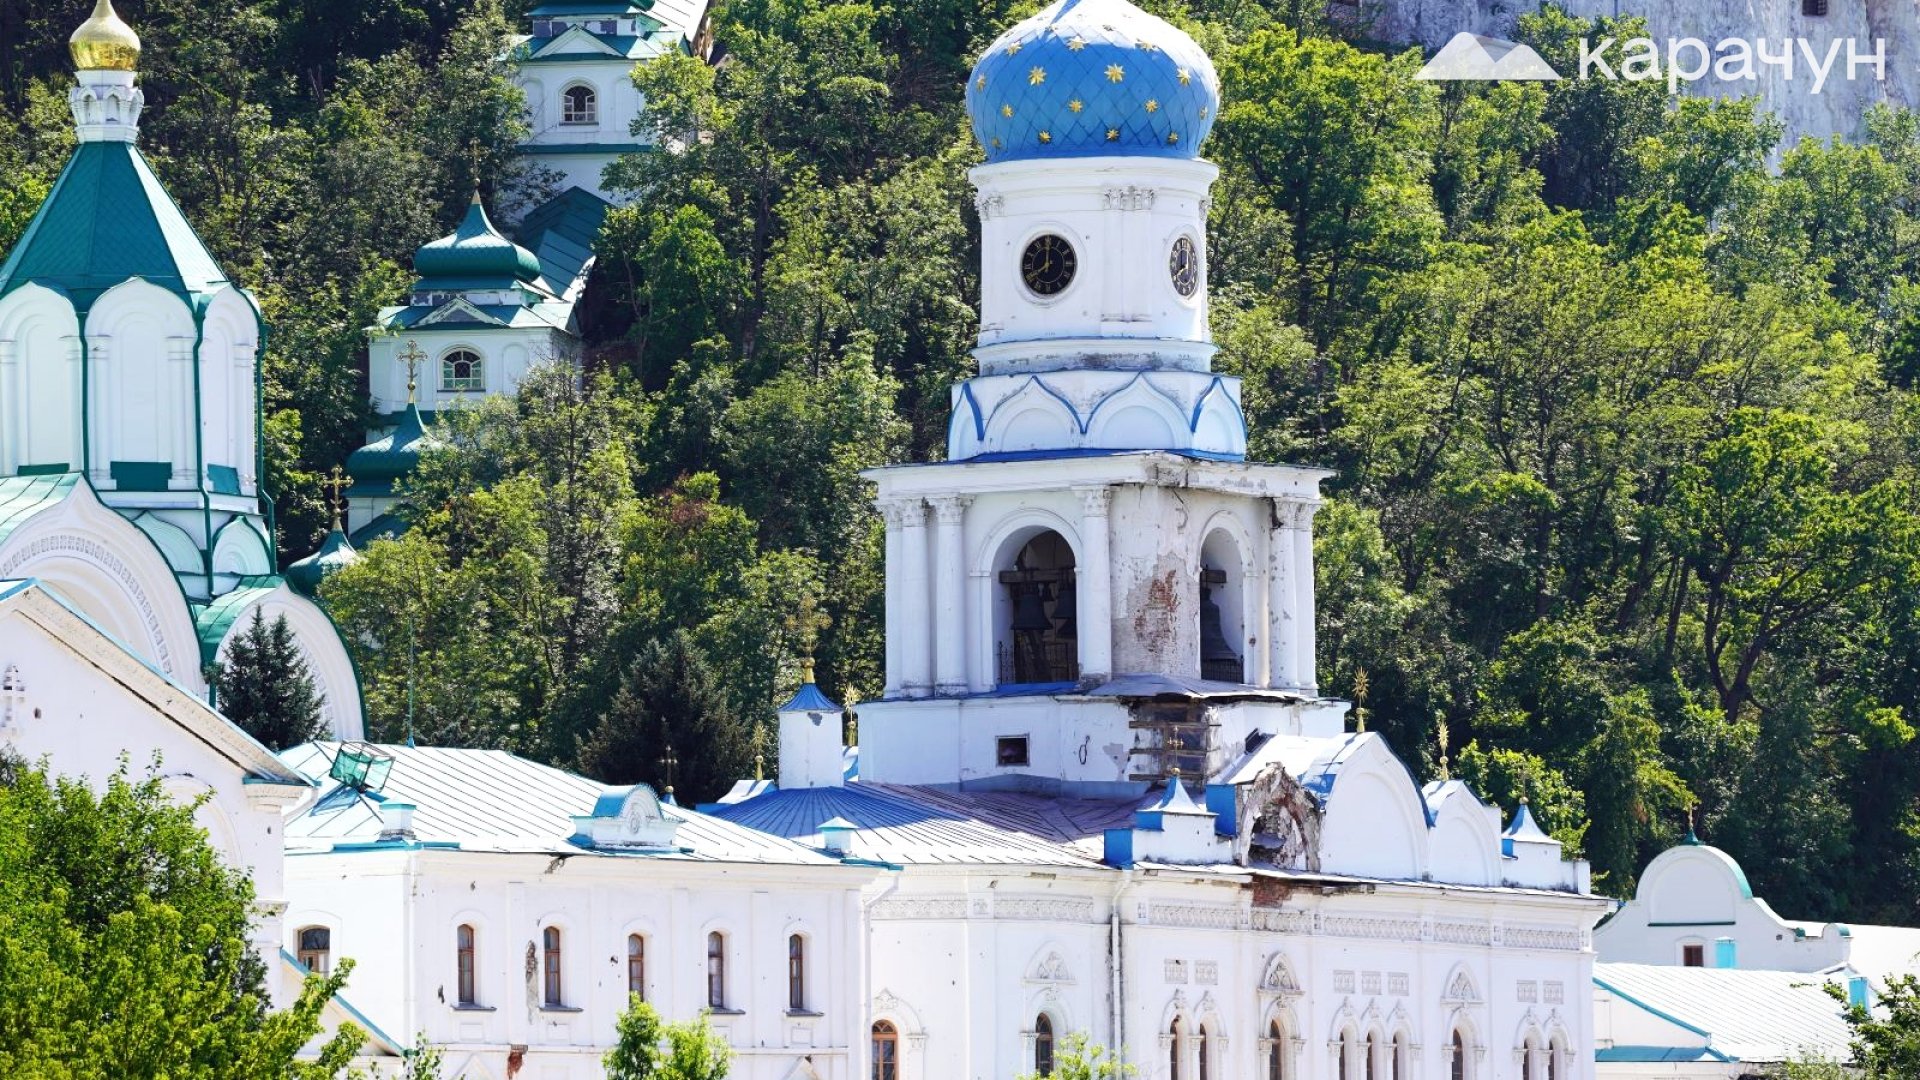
(1693, 954)
(552, 967)
(466, 967)
(476, 378)
(717, 971)
(317, 960)
(637, 965)
(585, 115)
(1043, 1045)
(1457, 1054)
(885, 1033)
(796, 973)
(1176, 1040)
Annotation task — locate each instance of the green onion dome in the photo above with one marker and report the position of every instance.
(476, 250)
(379, 463)
(335, 554)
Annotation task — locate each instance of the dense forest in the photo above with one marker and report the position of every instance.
(1621, 393)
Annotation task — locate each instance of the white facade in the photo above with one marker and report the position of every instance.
(73, 696)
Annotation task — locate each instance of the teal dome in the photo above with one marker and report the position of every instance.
(379, 463)
(476, 250)
(1092, 78)
(335, 554)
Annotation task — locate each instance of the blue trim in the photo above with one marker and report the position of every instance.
(1080, 452)
(1219, 800)
(979, 421)
(1667, 1016)
(356, 1015)
(1200, 407)
(1117, 848)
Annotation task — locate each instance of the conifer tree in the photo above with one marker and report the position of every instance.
(670, 724)
(264, 686)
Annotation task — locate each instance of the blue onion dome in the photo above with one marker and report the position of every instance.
(1087, 78)
(334, 555)
(476, 250)
(386, 459)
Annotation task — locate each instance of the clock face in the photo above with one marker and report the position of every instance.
(1183, 265)
(1048, 264)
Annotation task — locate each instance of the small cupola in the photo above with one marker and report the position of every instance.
(474, 256)
(336, 551)
(105, 42)
(812, 743)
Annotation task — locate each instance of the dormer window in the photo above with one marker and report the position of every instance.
(579, 105)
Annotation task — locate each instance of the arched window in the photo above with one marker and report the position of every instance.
(1203, 1049)
(1373, 1056)
(1457, 1057)
(462, 370)
(1043, 1045)
(464, 966)
(886, 1051)
(1530, 1058)
(1553, 1059)
(1400, 1059)
(637, 966)
(1276, 1052)
(1220, 610)
(579, 105)
(717, 970)
(1037, 613)
(1174, 1050)
(315, 950)
(1343, 1069)
(796, 973)
(551, 940)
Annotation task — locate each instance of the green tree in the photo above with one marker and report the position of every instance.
(1886, 1041)
(264, 685)
(647, 1048)
(126, 943)
(1080, 1058)
(671, 725)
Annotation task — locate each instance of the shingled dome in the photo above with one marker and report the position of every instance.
(1087, 78)
(475, 254)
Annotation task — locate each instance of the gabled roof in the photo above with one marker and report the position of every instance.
(561, 234)
(22, 497)
(108, 220)
(490, 800)
(214, 620)
(1742, 1015)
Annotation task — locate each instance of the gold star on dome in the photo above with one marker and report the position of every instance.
(1173, 137)
(1007, 111)
(1185, 76)
(1076, 43)
(1153, 105)
(1046, 136)
(1113, 134)
(1013, 48)
(980, 83)
(1036, 76)
(1146, 46)
(996, 142)
(1115, 73)
(1075, 105)
(1203, 112)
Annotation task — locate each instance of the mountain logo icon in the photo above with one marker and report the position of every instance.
(1472, 58)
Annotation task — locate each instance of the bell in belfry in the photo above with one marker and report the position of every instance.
(1218, 661)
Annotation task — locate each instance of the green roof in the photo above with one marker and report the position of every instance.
(475, 251)
(21, 497)
(335, 554)
(108, 220)
(587, 7)
(393, 456)
(215, 619)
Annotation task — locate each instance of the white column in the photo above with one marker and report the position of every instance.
(1094, 585)
(895, 514)
(949, 589)
(1303, 603)
(180, 444)
(106, 418)
(916, 620)
(14, 435)
(1283, 620)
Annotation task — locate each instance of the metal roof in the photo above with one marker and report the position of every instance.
(491, 800)
(910, 825)
(1763, 1016)
(21, 497)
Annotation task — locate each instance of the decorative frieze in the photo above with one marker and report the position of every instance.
(1049, 908)
(1193, 916)
(1130, 198)
(921, 907)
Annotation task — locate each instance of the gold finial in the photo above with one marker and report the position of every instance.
(759, 766)
(105, 42)
(806, 671)
(1446, 769)
(336, 483)
(412, 356)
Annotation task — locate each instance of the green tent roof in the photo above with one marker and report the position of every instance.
(336, 554)
(108, 220)
(386, 459)
(475, 251)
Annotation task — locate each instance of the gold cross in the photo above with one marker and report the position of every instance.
(412, 356)
(336, 483)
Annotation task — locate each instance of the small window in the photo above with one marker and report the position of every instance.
(886, 1051)
(463, 948)
(1457, 1057)
(717, 970)
(462, 370)
(1815, 8)
(1373, 1057)
(796, 973)
(1276, 1052)
(1011, 750)
(1399, 1060)
(637, 966)
(1043, 1045)
(555, 998)
(316, 949)
(579, 105)
(1553, 1060)
(1173, 1050)
(1693, 956)
(1201, 1046)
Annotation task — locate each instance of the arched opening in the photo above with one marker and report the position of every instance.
(315, 949)
(1222, 610)
(1400, 1063)
(462, 371)
(796, 973)
(555, 988)
(579, 105)
(716, 970)
(637, 966)
(886, 1051)
(465, 968)
(1277, 1052)
(1457, 1057)
(1349, 1063)
(1555, 1051)
(1036, 623)
(1373, 1056)
(1043, 1045)
(1202, 1053)
(1174, 1049)
(1530, 1056)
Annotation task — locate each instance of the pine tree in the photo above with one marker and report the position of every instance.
(670, 723)
(264, 686)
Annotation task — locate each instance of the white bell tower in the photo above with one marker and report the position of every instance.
(1096, 587)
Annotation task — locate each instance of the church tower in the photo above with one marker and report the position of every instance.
(1096, 588)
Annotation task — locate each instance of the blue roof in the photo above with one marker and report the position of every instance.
(810, 699)
(1086, 78)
